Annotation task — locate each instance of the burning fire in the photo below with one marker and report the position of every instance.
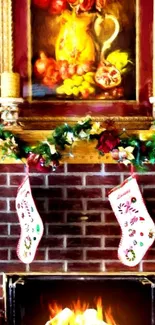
(80, 314)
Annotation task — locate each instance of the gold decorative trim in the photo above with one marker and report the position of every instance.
(47, 123)
(6, 35)
(93, 118)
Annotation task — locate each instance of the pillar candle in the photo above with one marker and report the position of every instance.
(10, 84)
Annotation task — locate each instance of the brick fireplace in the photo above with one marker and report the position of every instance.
(81, 233)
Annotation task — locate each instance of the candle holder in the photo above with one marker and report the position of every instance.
(9, 110)
(10, 98)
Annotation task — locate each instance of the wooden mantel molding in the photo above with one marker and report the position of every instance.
(84, 152)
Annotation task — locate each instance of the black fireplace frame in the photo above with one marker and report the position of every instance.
(12, 280)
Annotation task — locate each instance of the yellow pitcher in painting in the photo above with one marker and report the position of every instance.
(75, 41)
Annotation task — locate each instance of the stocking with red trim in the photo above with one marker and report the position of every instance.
(138, 229)
(30, 223)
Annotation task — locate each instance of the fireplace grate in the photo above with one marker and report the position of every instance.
(131, 297)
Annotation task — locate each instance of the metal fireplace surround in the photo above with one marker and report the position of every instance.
(130, 296)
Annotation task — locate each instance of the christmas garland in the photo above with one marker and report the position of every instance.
(122, 147)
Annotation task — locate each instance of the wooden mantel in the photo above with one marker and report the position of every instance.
(84, 152)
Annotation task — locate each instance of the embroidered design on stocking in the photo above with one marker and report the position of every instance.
(138, 229)
(30, 223)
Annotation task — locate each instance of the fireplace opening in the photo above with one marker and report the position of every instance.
(86, 299)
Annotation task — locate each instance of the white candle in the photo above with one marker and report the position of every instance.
(10, 84)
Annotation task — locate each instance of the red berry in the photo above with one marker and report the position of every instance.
(72, 69)
(80, 70)
(85, 93)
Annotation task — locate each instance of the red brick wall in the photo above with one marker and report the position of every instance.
(81, 232)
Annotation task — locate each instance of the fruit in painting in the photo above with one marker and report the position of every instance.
(41, 3)
(57, 7)
(100, 4)
(82, 5)
(42, 64)
(86, 5)
(47, 70)
(120, 60)
(63, 68)
(107, 76)
(52, 80)
(78, 86)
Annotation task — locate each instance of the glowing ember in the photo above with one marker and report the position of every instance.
(80, 314)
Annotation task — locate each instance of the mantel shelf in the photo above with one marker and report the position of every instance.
(84, 152)
(10, 100)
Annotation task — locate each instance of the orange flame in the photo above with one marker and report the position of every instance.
(54, 309)
(108, 317)
(81, 314)
(79, 307)
(99, 309)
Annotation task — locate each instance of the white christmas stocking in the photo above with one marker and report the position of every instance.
(30, 223)
(138, 229)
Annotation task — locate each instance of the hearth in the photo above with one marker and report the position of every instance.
(80, 299)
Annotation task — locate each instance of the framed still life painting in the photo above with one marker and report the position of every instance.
(83, 57)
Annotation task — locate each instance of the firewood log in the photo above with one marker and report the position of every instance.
(62, 318)
(90, 318)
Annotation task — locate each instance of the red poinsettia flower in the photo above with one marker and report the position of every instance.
(108, 141)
